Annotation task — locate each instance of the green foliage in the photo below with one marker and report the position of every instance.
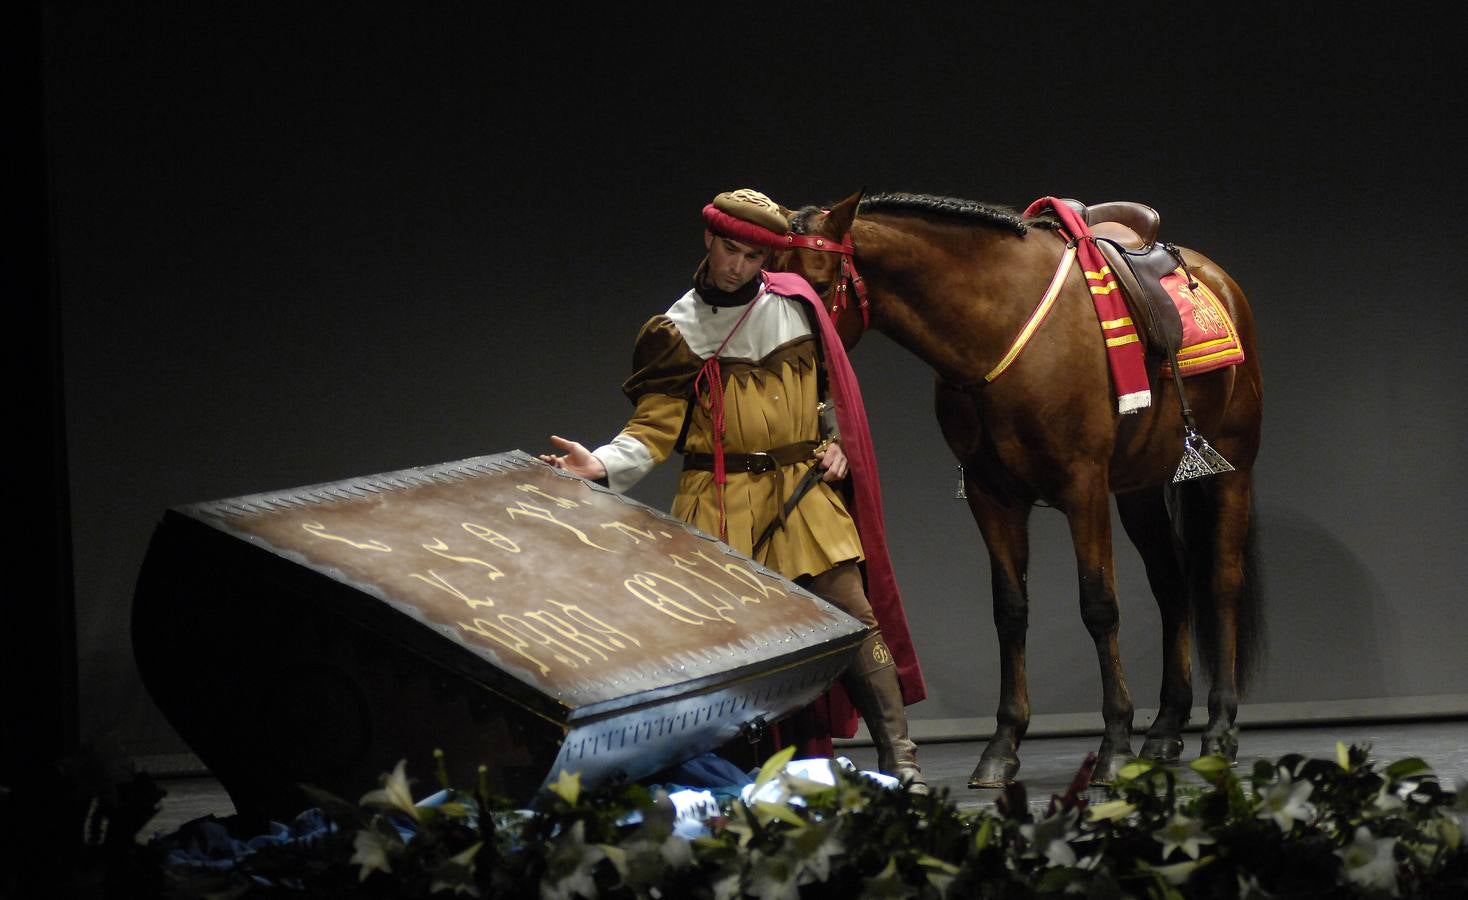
(1295, 827)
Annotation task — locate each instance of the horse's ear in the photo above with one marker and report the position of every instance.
(838, 221)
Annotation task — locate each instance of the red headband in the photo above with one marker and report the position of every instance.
(735, 228)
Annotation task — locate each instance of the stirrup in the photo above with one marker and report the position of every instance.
(1199, 459)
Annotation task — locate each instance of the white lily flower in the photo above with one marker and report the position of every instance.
(1284, 802)
(1060, 853)
(457, 874)
(394, 793)
(1369, 860)
(1048, 837)
(371, 851)
(815, 847)
(1182, 833)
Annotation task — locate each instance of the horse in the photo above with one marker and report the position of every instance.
(954, 281)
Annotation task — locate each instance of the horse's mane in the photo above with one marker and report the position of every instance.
(926, 204)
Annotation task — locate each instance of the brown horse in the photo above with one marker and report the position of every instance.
(954, 282)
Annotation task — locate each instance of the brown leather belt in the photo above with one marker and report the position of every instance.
(753, 463)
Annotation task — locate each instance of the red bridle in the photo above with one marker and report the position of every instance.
(847, 277)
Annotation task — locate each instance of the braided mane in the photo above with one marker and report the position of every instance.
(927, 204)
(997, 216)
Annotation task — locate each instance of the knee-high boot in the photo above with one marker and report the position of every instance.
(871, 683)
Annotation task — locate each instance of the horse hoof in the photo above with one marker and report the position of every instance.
(1225, 745)
(1107, 775)
(994, 772)
(1108, 770)
(1162, 749)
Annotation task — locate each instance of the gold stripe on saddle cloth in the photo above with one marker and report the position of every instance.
(1210, 340)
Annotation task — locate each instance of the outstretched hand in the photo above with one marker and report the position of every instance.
(576, 459)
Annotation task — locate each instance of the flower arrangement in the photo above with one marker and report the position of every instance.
(1295, 827)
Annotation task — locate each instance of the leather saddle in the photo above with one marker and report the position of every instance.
(1126, 233)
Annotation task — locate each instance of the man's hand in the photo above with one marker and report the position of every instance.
(833, 460)
(577, 459)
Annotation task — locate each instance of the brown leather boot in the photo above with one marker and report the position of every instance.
(871, 683)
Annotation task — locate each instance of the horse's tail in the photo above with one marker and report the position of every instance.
(1199, 521)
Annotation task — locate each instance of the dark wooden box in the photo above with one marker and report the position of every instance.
(507, 613)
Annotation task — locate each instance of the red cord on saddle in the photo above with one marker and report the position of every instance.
(713, 375)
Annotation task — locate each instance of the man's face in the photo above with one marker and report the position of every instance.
(732, 263)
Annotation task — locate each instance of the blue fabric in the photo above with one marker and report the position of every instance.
(709, 772)
(207, 844)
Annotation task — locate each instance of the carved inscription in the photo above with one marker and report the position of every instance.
(566, 584)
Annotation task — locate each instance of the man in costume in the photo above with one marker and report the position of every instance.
(745, 376)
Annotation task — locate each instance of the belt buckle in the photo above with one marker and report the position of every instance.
(767, 463)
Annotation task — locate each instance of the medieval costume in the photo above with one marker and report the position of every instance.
(735, 380)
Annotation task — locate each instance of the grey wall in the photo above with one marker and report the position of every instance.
(300, 242)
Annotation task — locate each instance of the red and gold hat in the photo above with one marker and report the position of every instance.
(747, 216)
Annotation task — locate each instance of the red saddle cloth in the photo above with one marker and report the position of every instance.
(1210, 339)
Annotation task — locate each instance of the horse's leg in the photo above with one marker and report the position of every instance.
(1006, 534)
(1144, 516)
(1089, 514)
(1232, 492)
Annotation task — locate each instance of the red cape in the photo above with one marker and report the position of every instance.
(865, 507)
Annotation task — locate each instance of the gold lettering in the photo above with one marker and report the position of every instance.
(570, 632)
(437, 580)
(614, 636)
(562, 502)
(319, 530)
(539, 512)
(740, 573)
(646, 587)
(684, 564)
(515, 623)
(438, 547)
(505, 638)
(629, 531)
(490, 536)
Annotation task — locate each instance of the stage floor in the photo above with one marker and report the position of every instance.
(1048, 763)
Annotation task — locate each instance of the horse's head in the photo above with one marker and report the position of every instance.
(821, 252)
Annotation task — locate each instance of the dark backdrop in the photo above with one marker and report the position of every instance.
(296, 242)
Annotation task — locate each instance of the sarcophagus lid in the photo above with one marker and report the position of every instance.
(510, 614)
